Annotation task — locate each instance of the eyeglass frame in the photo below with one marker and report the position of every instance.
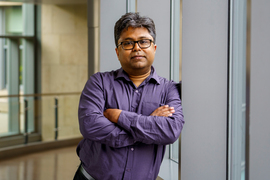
(151, 41)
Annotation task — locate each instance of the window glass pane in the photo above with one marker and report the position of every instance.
(174, 151)
(3, 89)
(13, 20)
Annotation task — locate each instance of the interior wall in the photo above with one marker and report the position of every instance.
(204, 89)
(64, 65)
(110, 12)
(162, 22)
(259, 90)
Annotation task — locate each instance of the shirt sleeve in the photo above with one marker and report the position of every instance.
(156, 129)
(93, 124)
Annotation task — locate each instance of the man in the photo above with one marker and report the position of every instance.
(129, 115)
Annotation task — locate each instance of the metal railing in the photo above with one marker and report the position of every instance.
(55, 108)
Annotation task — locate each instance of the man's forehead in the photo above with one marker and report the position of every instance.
(133, 29)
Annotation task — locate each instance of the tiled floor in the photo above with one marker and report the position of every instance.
(59, 164)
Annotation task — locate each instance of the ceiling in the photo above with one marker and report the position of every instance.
(45, 1)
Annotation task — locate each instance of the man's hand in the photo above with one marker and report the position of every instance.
(163, 111)
(112, 114)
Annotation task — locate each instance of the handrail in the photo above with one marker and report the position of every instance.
(17, 37)
(40, 94)
(25, 122)
(26, 108)
(56, 118)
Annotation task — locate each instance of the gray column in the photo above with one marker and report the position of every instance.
(13, 85)
(259, 90)
(204, 89)
(110, 12)
(152, 8)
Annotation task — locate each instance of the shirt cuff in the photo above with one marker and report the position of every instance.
(125, 119)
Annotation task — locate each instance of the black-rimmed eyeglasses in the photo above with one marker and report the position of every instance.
(143, 44)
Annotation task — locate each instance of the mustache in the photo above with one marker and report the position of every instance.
(137, 55)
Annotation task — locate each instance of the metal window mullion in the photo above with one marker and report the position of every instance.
(248, 37)
(2, 63)
(13, 85)
(28, 62)
(131, 6)
(174, 40)
(174, 57)
(237, 85)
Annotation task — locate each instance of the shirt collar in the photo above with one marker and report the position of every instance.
(153, 75)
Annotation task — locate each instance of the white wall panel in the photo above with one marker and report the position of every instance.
(259, 91)
(204, 77)
(159, 11)
(110, 12)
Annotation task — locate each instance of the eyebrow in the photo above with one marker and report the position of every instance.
(142, 37)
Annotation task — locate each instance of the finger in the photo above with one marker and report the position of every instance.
(159, 112)
(167, 111)
(163, 111)
(171, 109)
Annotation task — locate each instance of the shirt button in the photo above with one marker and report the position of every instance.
(132, 149)
(136, 91)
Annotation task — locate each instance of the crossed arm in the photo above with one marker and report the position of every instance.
(121, 128)
(113, 114)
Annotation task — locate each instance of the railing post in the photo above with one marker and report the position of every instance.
(56, 117)
(25, 121)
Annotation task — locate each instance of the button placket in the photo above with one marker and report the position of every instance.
(135, 100)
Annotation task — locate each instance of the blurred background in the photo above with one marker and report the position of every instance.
(218, 51)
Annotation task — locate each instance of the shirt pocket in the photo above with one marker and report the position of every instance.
(149, 107)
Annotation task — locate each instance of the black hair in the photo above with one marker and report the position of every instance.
(133, 20)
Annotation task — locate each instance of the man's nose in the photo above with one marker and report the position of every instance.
(136, 47)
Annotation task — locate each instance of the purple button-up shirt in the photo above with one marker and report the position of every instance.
(133, 148)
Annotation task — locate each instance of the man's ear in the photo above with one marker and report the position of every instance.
(117, 52)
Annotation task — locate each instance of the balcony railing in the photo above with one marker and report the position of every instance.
(29, 118)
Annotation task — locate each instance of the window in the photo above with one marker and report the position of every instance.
(17, 35)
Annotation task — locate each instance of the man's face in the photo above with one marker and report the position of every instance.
(136, 61)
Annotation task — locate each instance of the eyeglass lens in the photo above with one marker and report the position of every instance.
(144, 43)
